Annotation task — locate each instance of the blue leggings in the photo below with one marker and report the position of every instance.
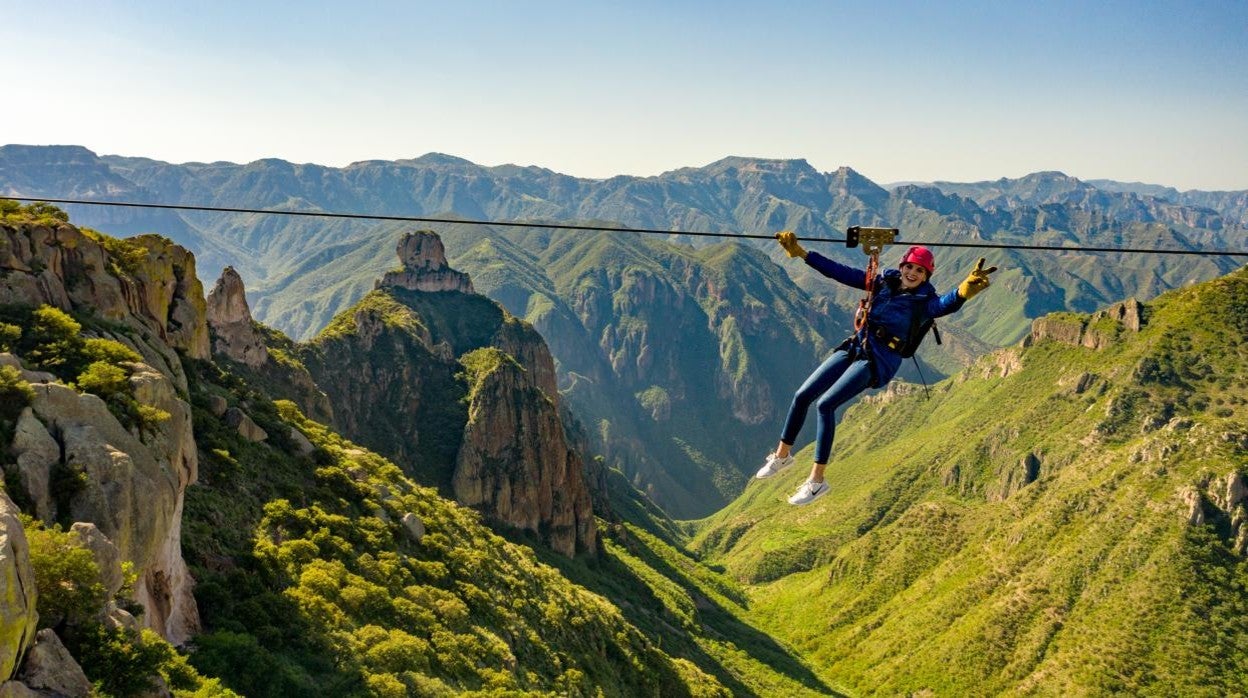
(834, 383)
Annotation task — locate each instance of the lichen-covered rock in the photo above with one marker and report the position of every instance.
(18, 617)
(50, 670)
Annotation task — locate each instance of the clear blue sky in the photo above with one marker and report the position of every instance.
(1136, 91)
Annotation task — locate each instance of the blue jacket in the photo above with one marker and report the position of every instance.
(891, 310)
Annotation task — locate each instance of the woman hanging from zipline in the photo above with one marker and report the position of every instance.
(899, 302)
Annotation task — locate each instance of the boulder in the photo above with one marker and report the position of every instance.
(17, 689)
(415, 527)
(36, 452)
(217, 405)
(238, 420)
(303, 446)
(50, 670)
(18, 617)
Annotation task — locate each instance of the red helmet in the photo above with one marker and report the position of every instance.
(922, 257)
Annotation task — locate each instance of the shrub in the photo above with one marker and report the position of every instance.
(66, 575)
(37, 212)
(109, 351)
(104, 380)
(15, 394)
(53, 341)
(9, 336)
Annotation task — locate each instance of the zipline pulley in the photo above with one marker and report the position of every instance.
(873, 241)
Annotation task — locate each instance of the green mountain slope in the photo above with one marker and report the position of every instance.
(319, 567)
(1058, 520)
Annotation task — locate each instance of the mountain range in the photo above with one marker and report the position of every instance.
(596, 297)
(1064, 515)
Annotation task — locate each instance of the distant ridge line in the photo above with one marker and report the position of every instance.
(646, 231)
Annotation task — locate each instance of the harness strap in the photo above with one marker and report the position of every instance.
(894, 343)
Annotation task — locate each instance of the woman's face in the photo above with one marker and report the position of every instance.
(912, 275)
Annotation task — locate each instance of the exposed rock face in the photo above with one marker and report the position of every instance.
(516, 466)
(153, 289)
(18, 618)
(235, 336)
(1224, 497)
(506, 453)
(17, 689)
(36, 453)
(133, 488)
(233, 331)
(50, 670)
(424, 266)
(107, 556)
(1092, 332)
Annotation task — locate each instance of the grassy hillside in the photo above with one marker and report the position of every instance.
(312, 579)
(1058, 520)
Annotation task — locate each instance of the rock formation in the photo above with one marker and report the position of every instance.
(424, 266)
(51, 671)
(236, 336)
(233, 331)
(132, 488)
(505, 452)
(1096, 331)
(18, 618)
(145, 283)
(515, 463)
(132, 482)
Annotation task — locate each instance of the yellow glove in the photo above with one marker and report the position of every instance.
(976, 281)
(789, 242)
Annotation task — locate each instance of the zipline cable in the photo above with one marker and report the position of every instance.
(646, 231)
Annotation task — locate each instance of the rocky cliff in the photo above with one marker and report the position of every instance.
(1094, 332)
(131, 480)
(261, 355)
(145, 283)
(460, 394)
(515, 462)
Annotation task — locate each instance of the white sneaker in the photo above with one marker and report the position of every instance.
(809, 492)
(773, 466)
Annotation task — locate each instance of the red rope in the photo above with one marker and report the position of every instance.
(864, 305)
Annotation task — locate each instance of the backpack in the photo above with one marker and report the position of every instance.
(918, 330)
